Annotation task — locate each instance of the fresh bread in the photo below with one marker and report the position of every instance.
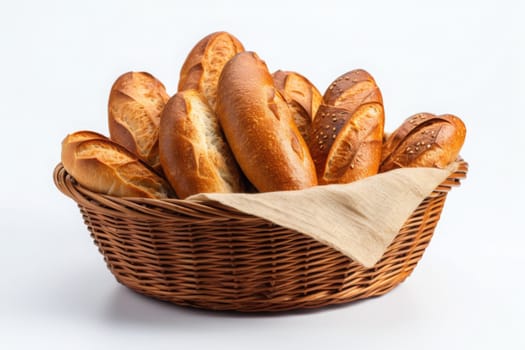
(346, 147)
(135, 103)
(353, 89)
(347, 132)
(302, 97)
(193, 152)
(424, 140)
(259, 127)
(204, 64)
(103, 166)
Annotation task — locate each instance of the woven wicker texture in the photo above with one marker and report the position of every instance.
(210, 256)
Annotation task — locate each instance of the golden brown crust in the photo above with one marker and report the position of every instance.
(347, 147)
(302, 97)
(104, 166)
(259, 127)
(204, 64)
(193, 152)
(347, 132)
(353, 89)
(135, 103)
(424, 140)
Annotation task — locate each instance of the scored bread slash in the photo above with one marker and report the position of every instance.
(302, 97)
(135, 103)
(424, 140)
(204, 64)
(193, 152)
(104, 166)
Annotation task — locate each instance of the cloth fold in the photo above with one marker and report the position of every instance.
(359, 219)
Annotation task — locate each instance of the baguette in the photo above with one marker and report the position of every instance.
(135, 103)
(104, 166)
(193, 153)
(347, 132)
(258, 125)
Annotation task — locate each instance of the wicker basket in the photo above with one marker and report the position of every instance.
(210, 256)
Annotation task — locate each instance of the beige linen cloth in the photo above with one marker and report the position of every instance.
(359, 219)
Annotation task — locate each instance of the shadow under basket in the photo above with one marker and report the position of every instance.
(210, 256)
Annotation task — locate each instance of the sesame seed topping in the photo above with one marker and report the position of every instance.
(321, 147)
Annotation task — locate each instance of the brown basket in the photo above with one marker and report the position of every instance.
(206, 255)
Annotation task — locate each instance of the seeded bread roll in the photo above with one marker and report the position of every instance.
(347, 147)
(347, 132)
(103, 166)
(135, 103)
(258, 125)
(193, 152)
(424, 140)
(204, 64)
(302, 97)
(353, 89)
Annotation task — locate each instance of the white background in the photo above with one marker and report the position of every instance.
(58, 61)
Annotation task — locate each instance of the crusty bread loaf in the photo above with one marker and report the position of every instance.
(258, 125)
(103, 166)
(204, 64)
(347, 132)
(135, 103)
(302, 97)
(424, 140)
(193, 152)
(346, 147)
(353, 89)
